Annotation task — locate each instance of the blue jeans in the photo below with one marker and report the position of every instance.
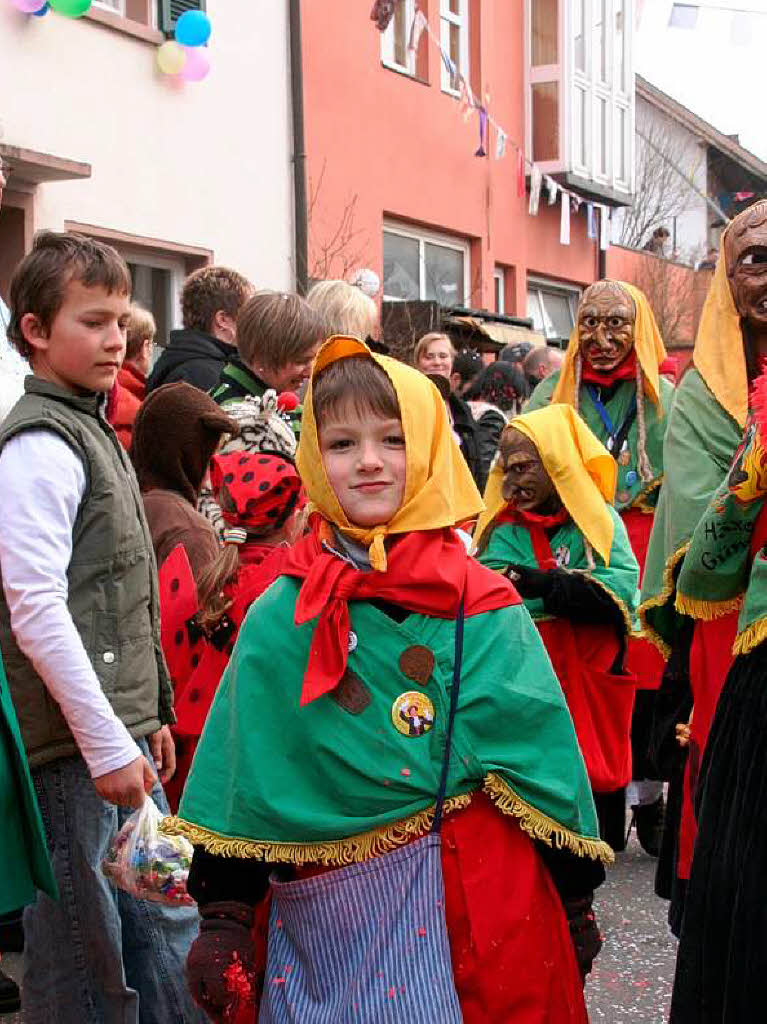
(97, 955)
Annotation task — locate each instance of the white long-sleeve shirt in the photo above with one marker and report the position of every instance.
(42, 482)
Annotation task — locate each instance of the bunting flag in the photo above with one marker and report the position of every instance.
(500, 144)
(591, 227)
(536, 179)
(416, 31)
(564, 220)
(604, 227)
(552, 188)
(482, 132)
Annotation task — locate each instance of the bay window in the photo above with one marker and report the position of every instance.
(580, 93)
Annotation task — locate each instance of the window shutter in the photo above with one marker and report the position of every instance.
(171, 10)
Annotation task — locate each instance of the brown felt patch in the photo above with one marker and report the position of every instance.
(417, 663)
(351, 694)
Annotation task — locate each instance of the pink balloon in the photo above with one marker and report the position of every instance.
(28, 6)
(197, 65)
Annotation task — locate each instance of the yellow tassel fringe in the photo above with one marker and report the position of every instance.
(667, 589)
(337, 853)
(750, 638)
(706, 610)
(540, 826)
(640, 502)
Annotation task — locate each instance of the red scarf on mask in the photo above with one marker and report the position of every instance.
(627, 370)
(427, 572)
(536, 525)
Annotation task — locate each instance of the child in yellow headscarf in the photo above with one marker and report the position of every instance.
(384, 680)
(551, 528)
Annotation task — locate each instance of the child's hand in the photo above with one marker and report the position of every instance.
(163, 753)
(127, 786)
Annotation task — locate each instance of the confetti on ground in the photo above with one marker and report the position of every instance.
(405, 772)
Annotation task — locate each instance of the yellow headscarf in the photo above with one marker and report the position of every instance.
(719, 356)
(439, 490)
(581, 468)
(648, 345)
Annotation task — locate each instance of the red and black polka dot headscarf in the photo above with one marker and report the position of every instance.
(255, 491)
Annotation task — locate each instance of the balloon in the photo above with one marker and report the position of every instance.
(193, 28)
(43, 10)
(196, 64)
(29, 6)
(72, 8)
(171, 58)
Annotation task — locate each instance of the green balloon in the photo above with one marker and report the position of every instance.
(72, 8)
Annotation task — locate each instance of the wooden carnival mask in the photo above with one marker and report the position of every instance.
(526, 484)
(745, 252)
(606, 317)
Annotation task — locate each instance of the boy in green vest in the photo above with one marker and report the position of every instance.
(79, 631)
(323, 758)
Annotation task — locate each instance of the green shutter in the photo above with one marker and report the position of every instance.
(171, 10)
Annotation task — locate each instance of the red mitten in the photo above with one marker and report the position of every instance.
(219, 966)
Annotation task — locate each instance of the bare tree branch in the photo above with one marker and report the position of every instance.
(340, 248)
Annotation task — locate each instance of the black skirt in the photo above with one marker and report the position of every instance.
(721, 972)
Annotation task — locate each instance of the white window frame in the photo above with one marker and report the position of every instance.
(423, 236)
(570, 79)
(569, 291)
(115, 6)
(461, 20)
(388, 49)
(178, 274)
(499, 285)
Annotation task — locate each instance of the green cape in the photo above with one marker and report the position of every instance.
(700, 444)
(511, 545)
(638, 494)
(26, 865)
(320, 784)
(718, 574)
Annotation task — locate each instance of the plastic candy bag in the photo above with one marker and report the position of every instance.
(147, 864)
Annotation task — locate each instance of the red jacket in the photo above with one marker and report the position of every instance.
(131, 391)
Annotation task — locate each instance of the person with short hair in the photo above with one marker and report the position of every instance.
(345, 309)
(211, 300)
(80, 636)
(466, 366)
(131, 378)
(540, 363)
(278, 335)
(434, 353)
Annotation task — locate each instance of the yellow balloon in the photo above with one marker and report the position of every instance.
(171, 58)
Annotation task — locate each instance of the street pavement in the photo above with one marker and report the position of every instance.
(632, 978)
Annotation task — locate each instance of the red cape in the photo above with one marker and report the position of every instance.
(427, 572)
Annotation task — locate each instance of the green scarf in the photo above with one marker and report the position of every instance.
(700, 444)
(334, 785)
(631, 490)
(26, 865)
(718, 574)
(510, 544)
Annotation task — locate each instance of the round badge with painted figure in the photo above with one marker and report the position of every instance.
(412, 713)
(631, 478)
(352, 641)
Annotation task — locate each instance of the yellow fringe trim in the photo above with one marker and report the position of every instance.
(750, 638)
(667, 589)
(336, 853)
(640, 502)
(539, 826)
(628, 618)
(707, 610)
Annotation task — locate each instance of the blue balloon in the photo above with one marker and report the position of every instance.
(43, 10)
(193, 28)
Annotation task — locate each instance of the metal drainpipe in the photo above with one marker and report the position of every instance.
(301, 226)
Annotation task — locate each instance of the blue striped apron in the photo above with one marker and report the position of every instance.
(367, 943)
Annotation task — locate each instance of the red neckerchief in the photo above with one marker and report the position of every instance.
(427, 572)
(626, 370)
(536, 525)
(252, 552)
